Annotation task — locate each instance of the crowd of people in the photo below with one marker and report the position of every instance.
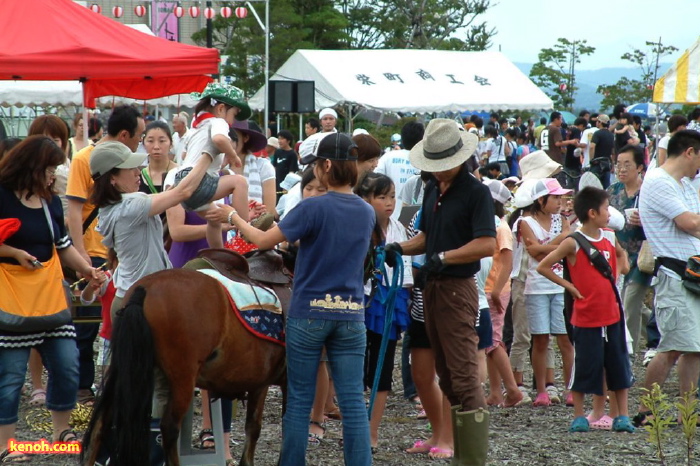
(495, 240)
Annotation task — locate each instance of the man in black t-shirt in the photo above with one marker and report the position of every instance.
(457, 229)
(572, 160)
(285, 159)
(601, 148)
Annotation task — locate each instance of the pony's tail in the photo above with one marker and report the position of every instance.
(121, 414)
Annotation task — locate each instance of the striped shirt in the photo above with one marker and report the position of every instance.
(661, 200)
(257, 170)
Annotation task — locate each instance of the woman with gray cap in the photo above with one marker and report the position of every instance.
(128, 219)
(327, 301)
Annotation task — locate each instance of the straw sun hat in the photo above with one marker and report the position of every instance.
(443, 147)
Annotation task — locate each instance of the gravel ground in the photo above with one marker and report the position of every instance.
(518, 436)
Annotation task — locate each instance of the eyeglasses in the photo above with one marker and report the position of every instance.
(50, 172)
(625, 166)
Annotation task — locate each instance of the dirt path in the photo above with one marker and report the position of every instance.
(518, 436)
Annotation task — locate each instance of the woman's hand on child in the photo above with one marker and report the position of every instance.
(234, 160)
(219, 213)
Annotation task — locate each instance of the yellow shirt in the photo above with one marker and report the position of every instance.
(79, 188)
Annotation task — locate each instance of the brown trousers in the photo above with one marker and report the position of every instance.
(451, 308)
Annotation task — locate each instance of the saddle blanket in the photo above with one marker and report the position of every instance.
(259, 309)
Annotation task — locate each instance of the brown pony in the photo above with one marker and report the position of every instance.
(180, 323)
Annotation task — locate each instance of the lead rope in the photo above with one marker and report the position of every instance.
(388, 300)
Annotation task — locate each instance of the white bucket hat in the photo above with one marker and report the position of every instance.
(443, 147)
(538, 165)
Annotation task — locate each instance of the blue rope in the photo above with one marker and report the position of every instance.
(387, 299)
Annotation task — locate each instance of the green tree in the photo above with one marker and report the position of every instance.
(555, 72)
(411, 24)
(636, 90)
(294, 24)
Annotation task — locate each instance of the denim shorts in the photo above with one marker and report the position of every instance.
(545, 313)
(204, 193)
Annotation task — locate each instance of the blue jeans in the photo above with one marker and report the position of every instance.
(85, 338)
(345, 344)
(60, 357)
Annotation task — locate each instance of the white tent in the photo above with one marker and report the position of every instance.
(418, 81)
(70, 93)
(681, 83)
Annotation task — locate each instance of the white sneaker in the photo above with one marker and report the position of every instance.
(526, 395)
(553, 393)
(648, 356)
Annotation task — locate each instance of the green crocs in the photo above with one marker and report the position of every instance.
(580, 424)
(622, 424)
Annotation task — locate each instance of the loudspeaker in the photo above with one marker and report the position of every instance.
(305, 96)
(292, 96)
(281, 96)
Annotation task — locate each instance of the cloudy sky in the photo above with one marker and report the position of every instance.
(613, 27)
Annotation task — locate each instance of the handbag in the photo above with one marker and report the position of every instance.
(645, 258)
(34, 300)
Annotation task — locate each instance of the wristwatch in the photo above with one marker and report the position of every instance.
(441, 256)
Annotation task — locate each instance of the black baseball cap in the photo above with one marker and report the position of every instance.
(336, 146)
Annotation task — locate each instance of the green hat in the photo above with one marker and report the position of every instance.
(229, 95)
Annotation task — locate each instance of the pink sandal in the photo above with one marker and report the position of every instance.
(604, 423)
(440, 453)
(421, 446)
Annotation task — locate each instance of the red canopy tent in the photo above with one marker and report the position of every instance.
(59, 40)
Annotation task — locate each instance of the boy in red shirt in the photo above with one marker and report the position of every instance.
(600, 347)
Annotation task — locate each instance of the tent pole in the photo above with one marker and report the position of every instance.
(349, 123)
(301, 125)
(267, 63)
(85, 116)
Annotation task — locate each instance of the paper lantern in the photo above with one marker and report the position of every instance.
(241, 12)
(226, 12)
(179, 12)
(139, 10)
(96, 8)
(209, 13)
(117, 11)
(194, 11)
(562, 87)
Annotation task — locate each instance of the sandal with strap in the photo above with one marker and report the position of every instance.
(206, 439)
(437, 453)
(69, 436)
(8, 457)
(38, 397)
(420, 446)
(316, 439)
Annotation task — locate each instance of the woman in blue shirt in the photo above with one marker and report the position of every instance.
(327, 301)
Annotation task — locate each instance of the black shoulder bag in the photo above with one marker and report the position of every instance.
(601, 265)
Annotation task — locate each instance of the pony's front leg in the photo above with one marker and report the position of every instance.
(253, 424)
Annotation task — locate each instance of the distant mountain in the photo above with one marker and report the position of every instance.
(589, 80)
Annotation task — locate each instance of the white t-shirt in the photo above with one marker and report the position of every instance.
(536, 283)
(663, 142)
(257, 170)
(396, 165)
(662, 199)
(289, 200)
(202, 141)
(179, 143)
(396, 233)
(480, 277)
(586, 138)
(412, 192)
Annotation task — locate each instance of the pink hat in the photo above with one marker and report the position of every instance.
(549, 186)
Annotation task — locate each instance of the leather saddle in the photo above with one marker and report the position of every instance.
(261, 266)
(268, 267)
